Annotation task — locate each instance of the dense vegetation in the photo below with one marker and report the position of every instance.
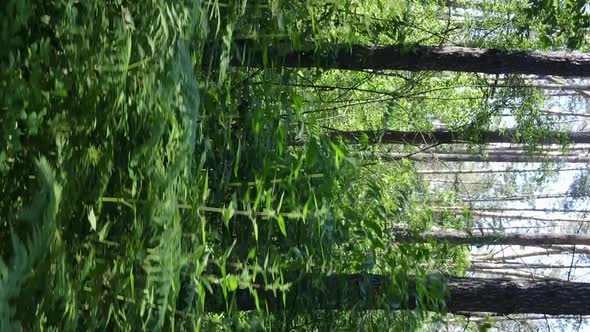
(150, 176)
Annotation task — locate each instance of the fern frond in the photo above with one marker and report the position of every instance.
(164, 262)
(28, 253)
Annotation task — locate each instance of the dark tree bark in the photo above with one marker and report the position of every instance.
(507, 296)
(418, 58)
(475, 238)
(442, 136)
(371, 292)
(492, 158)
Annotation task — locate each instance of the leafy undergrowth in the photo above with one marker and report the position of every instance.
(166, 180)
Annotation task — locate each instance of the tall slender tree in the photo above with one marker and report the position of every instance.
(492, 238)
(443, 136)
(523, 197)
(459, 295)
(419, 58)
(553, 250)
(509, 266)
(496, 157)
(498, 171)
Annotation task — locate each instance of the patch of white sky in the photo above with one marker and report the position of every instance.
(559, 184)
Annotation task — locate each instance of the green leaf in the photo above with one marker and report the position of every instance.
(230, 210)
(104, 231)
(255, 228)
(306, 208)
(281, 222)
(237, 161)
(339, 154)
(92, 219)
(256, 300)
(252, 253)
(233, 282)
(132, 283)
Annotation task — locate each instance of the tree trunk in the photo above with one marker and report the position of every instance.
(522, 266)
(443, 136)
(455, 181)
(522, 217)
(492, 158)
(519, 148)
(532, 85)
(476, 239)
(419, 58)
(513, 296)
(555, 113)
(581, 91)
(505, 209)
(547, 252)
(514, 274)
(516, 198)
(371, 292)
(493, 171)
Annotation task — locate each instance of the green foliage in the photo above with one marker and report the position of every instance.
(106, 92)
(563, 22)
(181, 180)
(29, 256)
